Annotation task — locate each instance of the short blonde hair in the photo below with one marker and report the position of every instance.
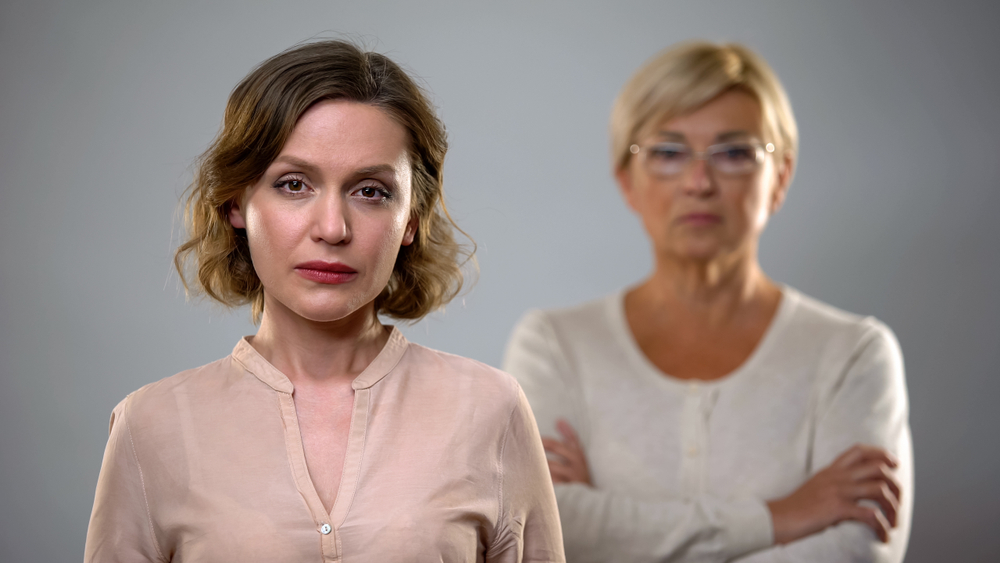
(260, 115)
(683, 78)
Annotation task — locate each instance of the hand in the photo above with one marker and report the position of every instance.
(571, 465)
(831, 496)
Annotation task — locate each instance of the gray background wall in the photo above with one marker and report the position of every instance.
(104, 105)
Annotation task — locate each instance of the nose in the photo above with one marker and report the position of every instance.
(331, 219)
(697, 179)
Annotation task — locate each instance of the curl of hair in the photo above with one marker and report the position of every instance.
(260, 115)
(685, 77)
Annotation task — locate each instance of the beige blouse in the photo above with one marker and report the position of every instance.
(443, 463)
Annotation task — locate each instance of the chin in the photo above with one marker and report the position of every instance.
(331, 310)
(697, 251)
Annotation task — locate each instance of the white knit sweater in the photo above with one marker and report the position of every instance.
(682, 469)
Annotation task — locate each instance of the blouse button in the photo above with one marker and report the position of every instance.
(325, 529)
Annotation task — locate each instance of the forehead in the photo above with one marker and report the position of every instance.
(734, 113)
(346, 132)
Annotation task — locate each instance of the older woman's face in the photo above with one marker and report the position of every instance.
(701, 213)
(327, 219)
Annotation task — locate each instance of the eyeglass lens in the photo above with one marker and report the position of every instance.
(670, 159)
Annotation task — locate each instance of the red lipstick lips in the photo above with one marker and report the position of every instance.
(332, 273)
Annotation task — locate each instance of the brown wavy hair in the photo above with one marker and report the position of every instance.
(260, 115)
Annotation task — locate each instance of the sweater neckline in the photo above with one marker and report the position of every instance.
(615, 313)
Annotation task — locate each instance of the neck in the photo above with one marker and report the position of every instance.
(311, 352)
(715, 289)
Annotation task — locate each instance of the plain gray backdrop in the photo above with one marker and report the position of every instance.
(105, 104)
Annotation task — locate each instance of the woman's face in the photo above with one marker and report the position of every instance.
(700, 213)
(326, 220)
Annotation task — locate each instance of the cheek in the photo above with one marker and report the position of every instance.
(658, 211)
(392, 235)
(752, 203)
(653, 202)
(377, 238)
(270, 234)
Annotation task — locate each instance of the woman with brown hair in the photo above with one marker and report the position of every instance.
(709, 413)
(326, 436)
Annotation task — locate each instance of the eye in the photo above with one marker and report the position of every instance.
(291, 185)
(737, 153)
(669, 152)
(373, 193)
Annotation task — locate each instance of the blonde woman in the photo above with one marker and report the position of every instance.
(326, 436)
(709, 413)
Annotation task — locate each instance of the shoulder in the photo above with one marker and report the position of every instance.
(157, 403)
(841, 346)
(574, 318)
(821, 323)
(465, 375)
(585, 324)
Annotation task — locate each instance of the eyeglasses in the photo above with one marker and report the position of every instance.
(733, 159)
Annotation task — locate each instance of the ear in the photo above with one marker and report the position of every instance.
(786, 170)
(236, 218)
(623, 176)
(411, 230)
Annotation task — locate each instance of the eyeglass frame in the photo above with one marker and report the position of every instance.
(762, 149)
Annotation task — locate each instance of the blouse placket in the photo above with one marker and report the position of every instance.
(327, 524)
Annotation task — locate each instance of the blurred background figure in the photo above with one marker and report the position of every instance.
(709, 412)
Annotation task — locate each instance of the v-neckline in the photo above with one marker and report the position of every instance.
(387, 359)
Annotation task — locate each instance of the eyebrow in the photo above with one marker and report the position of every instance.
(728, 135)
(733, 135)
(366, 171)
(296, 162)
(377, 169)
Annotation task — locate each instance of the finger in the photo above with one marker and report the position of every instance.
(878, 491)
(873, 519)
(879, 472)
(552, 444)
(561, 449)
(862, 453)
(565, 473)
(567, 431)
(559, 472)
(849, 457)
(568, 451)
(875, 453)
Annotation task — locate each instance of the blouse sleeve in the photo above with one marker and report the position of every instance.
(120, 526)
(865, 404)
(600, 526)
(528, 523)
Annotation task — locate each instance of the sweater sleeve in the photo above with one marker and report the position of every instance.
(120, 525)
(602, 526)
(865, 404)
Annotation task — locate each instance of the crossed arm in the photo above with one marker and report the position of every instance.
(832, 495)
(855, 506)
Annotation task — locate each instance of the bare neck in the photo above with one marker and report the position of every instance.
(319, 353)
(715, 291)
